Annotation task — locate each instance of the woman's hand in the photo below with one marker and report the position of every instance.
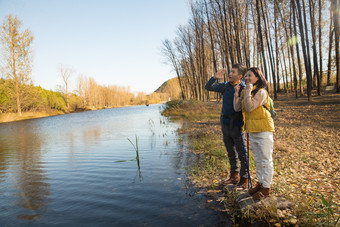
(219, 74)
(249, 86)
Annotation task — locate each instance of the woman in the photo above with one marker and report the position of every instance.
(260, 126)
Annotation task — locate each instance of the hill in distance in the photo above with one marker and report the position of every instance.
(169, 90)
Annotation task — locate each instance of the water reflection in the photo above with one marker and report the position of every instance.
(28, 176)
(4, 153)
(92, 135)
(139, 172)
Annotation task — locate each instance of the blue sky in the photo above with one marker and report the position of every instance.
(116, 42)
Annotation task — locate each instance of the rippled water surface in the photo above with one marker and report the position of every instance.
(80, 170)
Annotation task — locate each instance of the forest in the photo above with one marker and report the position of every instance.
(294, 42)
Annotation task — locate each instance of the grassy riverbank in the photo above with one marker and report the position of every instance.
(306, 157)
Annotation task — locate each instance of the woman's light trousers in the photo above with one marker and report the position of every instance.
(262, 146)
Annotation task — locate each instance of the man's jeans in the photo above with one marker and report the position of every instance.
(234, 142)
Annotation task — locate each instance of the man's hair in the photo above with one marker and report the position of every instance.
(242, 69)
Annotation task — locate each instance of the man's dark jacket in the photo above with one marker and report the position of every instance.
(228, 115)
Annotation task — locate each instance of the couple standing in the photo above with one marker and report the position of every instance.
(244, 107)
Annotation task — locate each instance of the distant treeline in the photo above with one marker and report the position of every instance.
(88, 96)
(292, 41)
(92, 95)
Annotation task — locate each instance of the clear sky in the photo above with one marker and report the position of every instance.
(117, 42)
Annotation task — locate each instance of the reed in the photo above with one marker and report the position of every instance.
(135, 146)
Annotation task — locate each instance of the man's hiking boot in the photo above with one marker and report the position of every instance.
(234, 178)
(242, 185)
(262, 193)
(252, 191)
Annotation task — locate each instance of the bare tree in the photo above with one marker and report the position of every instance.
(272, 35)
(17, 55)
(170, 54)
(81, 89)
(66, 73)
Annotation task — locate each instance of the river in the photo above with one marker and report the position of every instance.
(81, 169)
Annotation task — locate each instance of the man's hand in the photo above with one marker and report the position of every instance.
(237, 89)
(219, 74)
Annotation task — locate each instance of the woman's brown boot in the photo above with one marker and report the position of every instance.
(262, 193)
(234, 178)
(252, 191)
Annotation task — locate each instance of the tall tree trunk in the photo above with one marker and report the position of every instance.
(291, 42)
(15, 76)
(17, 97)
(286, 71)
(315, 57)
(225, 37)
(320, 40)
(236, 30)
(269, 50)
(276, 45)
(211, 37)
(283, 78)
(290, 70)
(228, 34)
(221, 35)
(292, 53)
(261, 37)
(297, 50)
(304, 18)
(247, 41)
(329, 65)
(304, 51)
(336, 5)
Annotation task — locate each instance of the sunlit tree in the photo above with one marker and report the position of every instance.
(16, 50)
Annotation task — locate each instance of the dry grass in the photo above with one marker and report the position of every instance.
(306, 152)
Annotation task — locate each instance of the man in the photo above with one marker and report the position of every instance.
(232, 123)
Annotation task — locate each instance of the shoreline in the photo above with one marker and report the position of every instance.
(305, 160)
(13, 117)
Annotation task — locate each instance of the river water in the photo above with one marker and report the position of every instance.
(81, 170)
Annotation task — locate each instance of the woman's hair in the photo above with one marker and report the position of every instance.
(261, 82)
